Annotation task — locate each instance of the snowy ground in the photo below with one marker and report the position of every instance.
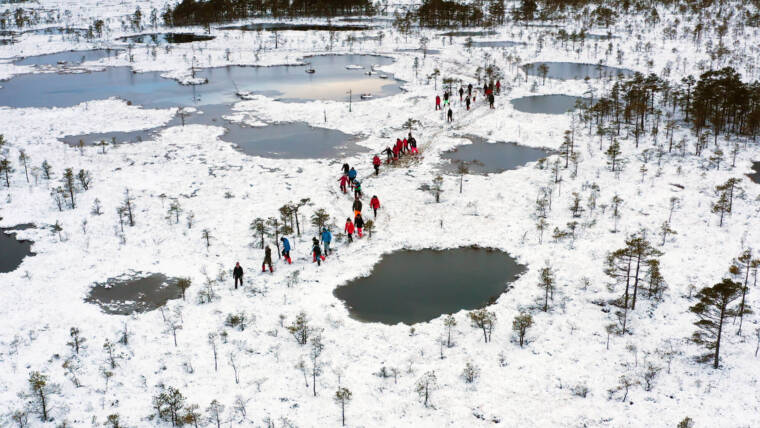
(530, 386)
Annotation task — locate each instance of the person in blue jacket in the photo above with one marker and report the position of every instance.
(352, 176)
(326, 239)
(286, 249)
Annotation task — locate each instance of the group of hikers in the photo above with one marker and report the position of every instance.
(489, 92)
(406, 146)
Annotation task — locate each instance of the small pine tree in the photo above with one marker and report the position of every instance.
(259, 229)
(484, 320)
(206, 234)
(342, 397)
(520, 325)
(546, 282)
(6, 169)
(713, 308)
(300, 328)
(425, 387)
(183, 284)
(77, 341)
(319, 219)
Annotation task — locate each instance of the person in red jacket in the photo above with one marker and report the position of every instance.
(395, 153)
(376, 163)
(498, 87)
(349, 229)
(406, 146)
(343, 183)
(437, 102)
(374, 203)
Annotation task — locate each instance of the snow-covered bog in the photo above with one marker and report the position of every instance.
(568, 373)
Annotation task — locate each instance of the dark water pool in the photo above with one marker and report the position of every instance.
(12, 250)
(69, 57)
(331, 81)
(495, 44)
(276, 26)
(291, 140)
(546, 104)
(755, 176)
(134, 293)
(574, 70)
(418, 286)
(482, 157)
(164, 38)
(57, 31)
(468, 33)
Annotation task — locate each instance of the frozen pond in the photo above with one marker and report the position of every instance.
(69, 57)
(546, 104)
(13, 251)
(482, 157)
(331, 81)
(164, 38)
(134, 293)
(291, 140)
(417, 286)
(755, 176)
(574, 70)
(468, 33)
(494, 44)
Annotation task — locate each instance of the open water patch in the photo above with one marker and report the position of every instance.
(755, 176)
(277, 26)
(412, 286)
(547, 104)
(13, 250)
(493, 44)
(483, 157)
(135, 292)
(575, 70)
(166, 38)
(69, 57)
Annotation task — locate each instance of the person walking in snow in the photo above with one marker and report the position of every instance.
(343, 183)
(349, 229)
(405, 148)
(450, 116)
(317, 252)
(389, 155)
(359, 224)
(437, 102)
(467, 103)
(445, 98)
(461, 93)
(469, 90)
(326, 239)
(374, 203)
(267, 260)
(357, 206)
(498, 87)
(357, 189)
(352, 176)
(237, 273)
(413, 144)
(286, 249)
(345, 168)
(491, 100)
(376, 164)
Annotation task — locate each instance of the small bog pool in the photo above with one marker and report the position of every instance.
(755, 176)
(547, 104)
(164, 38)
(135, 292)
(12, 250)
(482, 157)
(574, 70)
(417, 286)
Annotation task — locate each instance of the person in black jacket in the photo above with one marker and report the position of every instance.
(237, 273)
(357, 206)
(267, 260)
(359, 224)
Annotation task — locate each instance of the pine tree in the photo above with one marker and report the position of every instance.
(342, 397)
(259, 228)
(613, 156)
(520, 325)
(40, 393)
(713, 308)
(24, 159)
(319, 219)
(425, 386)
(6, 169)
(546, 282)
(485, 320)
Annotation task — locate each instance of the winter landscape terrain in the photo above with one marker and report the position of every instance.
(582, 253)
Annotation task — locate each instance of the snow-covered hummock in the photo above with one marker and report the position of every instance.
(530, 386)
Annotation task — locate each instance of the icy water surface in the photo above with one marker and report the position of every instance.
(274, 26)
(482, 157)
(291, 140)
(164, 38)
(134, 293)
(468, 33)
(546, 104)
(495, 44)
(331, 81)
(12, 250)
(69, 57)
(574, 70)
(417, 286)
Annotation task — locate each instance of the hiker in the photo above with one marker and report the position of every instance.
(406, 146)
(413, 143)
(267, 260)
(343, 183)
(498, 87)
(450, 115)
(357, 189)
(467, 103)
(357, 206)
(345, 169)
(389, 154)
(326, 239)
(445, 98)
(399, 145)
(286, 249)
(349, 229)
(374, 203)
(461, 93)
(395, 153)
(491, 100)
(469, 90)
(317, 252)
(437, 102)
(237, 273)
(359, 224)
(376, 163)
(352, 175)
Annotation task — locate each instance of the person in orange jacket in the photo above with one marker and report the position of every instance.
(349, 229)
(376, 163)
(374, 203)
